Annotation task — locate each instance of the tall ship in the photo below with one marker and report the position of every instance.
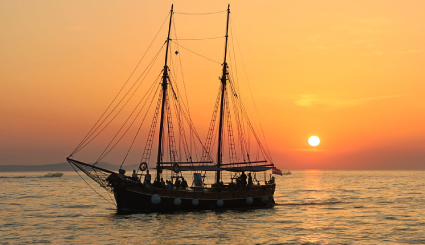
(177, 170)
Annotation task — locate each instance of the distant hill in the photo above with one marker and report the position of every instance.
(59, 167)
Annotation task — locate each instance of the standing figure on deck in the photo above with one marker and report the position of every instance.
(177, 183)
(147, 178)
(134, 175)
(249, 179)
(183, 184)
(243, 178)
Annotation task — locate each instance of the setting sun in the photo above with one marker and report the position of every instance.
(314, 141)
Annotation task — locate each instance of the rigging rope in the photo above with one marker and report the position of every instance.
(185, 102)
(88, 135)
(201, 13)
(182, 135)
(131, 124)
(138, 130)
(234, 53)
(181, 66)
(266, 153)
(196, 53)
(147, 69)
(182, 110)
(252, 97)
(196, 39)
(186, 114)
(190, 123)
(150, 90)
(113, 203)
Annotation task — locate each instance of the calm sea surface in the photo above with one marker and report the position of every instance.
(313, 207)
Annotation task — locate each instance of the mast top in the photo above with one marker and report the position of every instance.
(227, 35)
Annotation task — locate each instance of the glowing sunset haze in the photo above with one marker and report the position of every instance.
(350, 72)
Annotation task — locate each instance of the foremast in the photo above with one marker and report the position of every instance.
(223, 88)
(164, 98)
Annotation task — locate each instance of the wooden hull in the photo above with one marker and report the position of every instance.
(142, 198)
(132, 196)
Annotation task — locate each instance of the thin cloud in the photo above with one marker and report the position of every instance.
(75, 27)
(400, 52)
(364, 27)
(375, 21)
(308, 149)
(309, 100)
(322, 47)
(374, 54)
(409, 52)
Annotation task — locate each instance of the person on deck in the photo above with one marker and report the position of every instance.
(169, 185)
(243, 178)
(147, 177)
(177, 183)
(162, 183)
(134, 176)
(156, 183)
(184, 184)
(249, 179)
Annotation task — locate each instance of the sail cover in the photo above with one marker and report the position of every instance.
(194, 168)
(214, 168)
(248, 168)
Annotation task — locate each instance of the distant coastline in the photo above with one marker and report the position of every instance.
(57, 167)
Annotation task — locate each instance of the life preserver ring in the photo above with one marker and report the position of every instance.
(176, 168)
(143, 166)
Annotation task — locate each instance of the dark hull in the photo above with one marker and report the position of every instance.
(133, 196)
(137, 198)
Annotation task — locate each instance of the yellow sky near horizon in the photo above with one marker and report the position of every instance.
(350, 72)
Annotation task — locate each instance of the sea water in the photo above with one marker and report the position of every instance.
(312, 207)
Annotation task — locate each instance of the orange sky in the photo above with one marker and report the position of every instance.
(350, 72)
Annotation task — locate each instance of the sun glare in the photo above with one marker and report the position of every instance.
(314, 141)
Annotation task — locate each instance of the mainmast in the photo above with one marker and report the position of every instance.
(164, 98)
(223, 88)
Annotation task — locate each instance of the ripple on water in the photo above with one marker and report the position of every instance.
(80, 206)
(314, 208)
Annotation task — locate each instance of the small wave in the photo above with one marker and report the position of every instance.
(24, 197)
(20, 177)
(385, 202)
(310, 203)
(349, 191)
(41, 241)
(404, 229)
(80, 206)
(16, 204)
(69, 215)
(390, 218)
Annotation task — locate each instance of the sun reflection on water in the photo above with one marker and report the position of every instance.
(313, 195)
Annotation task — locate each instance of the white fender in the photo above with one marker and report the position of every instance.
(249, 200)
(264, 199)
(195, 202)
(177, 201)
(156, 199)
(220, 202)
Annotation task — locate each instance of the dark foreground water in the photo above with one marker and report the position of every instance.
(313, 207)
